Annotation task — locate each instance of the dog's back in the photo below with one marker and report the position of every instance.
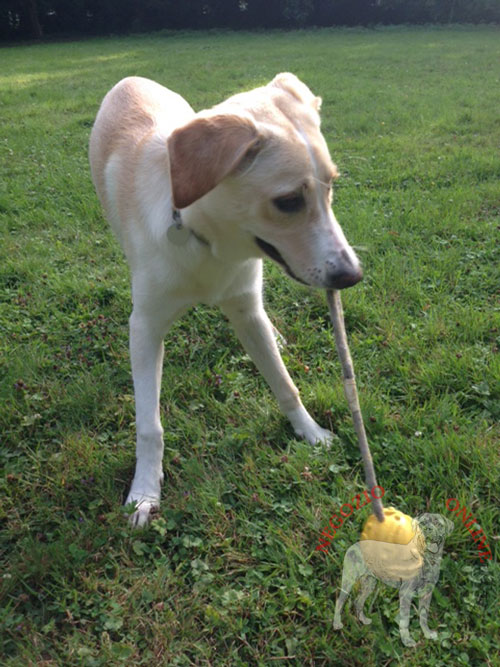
(132, 125)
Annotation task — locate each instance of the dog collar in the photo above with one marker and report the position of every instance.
(178, 234)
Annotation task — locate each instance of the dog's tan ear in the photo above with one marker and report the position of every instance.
(294, 86)
(205, 151)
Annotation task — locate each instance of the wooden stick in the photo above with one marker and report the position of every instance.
(351, 393)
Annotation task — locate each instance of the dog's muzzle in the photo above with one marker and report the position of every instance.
(273, 252)
(341, 275)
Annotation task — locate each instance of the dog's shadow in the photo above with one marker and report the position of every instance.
(423, 570)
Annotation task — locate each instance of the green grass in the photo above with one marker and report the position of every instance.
(228, 574)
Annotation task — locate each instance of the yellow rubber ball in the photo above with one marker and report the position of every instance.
(392, 549)
(396, 529)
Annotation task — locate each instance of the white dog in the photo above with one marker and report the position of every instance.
(196, 201)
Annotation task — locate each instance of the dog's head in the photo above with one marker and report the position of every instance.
(435, 528)
(257, 168)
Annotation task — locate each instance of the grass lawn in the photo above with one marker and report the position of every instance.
(228, 573)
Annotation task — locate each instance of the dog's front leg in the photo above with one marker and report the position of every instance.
(423, 608)
(254, 329)
(147, 330)
(406, 593)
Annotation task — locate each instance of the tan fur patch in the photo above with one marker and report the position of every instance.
(204, 152)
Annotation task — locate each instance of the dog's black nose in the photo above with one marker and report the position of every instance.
(343, 272)
(342, 279)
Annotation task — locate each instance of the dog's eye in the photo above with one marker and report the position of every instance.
(290, 203)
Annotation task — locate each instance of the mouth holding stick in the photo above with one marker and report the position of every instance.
(351, 392)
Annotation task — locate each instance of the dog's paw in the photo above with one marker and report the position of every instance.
(321, 436)
(407, 640)
(430, 634)
(141, 509)
(305, 427)
(364, 619)
(315, 434)
(337, 624)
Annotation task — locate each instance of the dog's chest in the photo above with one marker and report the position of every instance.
(196, 276)
(208, 282)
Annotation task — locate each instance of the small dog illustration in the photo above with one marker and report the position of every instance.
(435, 529)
